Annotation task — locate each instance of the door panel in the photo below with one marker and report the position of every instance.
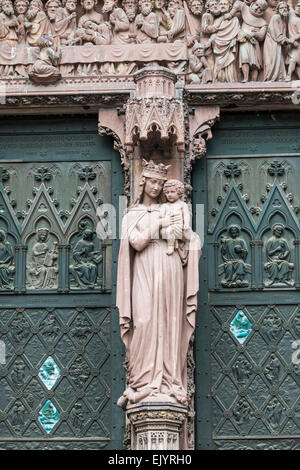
(248, 389)
(57, 284)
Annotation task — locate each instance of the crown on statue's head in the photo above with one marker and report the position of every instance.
(151, 170)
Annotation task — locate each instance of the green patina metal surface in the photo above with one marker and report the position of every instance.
(248, 391)
(58, 320)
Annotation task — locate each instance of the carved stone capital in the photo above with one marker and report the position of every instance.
(201, 122)
(156, 426)
(155, 109)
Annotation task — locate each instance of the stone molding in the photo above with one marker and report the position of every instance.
(156, 426)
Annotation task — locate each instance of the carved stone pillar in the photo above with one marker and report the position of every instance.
(154, 109)
(156, 426)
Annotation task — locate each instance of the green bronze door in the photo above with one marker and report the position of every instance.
(248, 327)
(61, 372)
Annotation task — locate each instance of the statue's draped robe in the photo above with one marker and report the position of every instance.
(159, 297)
(274, 68)
(225, 48)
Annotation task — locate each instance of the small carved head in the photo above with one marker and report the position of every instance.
(130, 7)
(173, 190)
(196, 6)
(278, 230)
(51, 8)
(159, 4)
(146, 7)
(234, 230)
(42, 234)
(89, 5)
(297, 8)
(212, 7)
(198, 49)
(2, 235)
(224, 6)
(283, 9)
(258, 7)
(34, 7)
(7, 7)
(109, 5)
(70, 4)
(173, 6)
(21, 6)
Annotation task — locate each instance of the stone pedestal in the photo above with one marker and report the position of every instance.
(156, 426)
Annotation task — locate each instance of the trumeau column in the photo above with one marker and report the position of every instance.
(156, 135)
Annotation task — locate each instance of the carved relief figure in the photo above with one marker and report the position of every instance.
(38, 22)
(84, 270)
(90, 13)
(253, 31)
(21, 7)
(276, 38)
(146, 23)
(119, 22)
(163, 19)
(176, 31)
(224, 41)
(93, 33)
(131, 8)
(200, 71)
(278, 266)
(294, 34)
(193, 20)
(52, 7)
(156, 298)
(178, 210)
(45, 69)
(9, 25)
(43, 269)
(234, 253)
(7, 266)
(66, 22)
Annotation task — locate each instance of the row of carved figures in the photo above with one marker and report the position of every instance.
(42, 269)
(245, 40)
(234, 254)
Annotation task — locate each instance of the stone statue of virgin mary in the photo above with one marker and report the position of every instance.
(156, 297)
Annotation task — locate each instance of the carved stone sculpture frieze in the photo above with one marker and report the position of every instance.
(216, 41)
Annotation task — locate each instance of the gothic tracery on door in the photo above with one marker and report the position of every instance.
(56, 286)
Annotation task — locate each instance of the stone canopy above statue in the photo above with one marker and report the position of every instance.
(209, 41)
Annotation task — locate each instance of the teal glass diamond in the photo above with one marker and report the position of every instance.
(48, 416)
(240, 327)
(49, 373)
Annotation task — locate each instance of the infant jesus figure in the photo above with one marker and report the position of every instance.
(175, 216)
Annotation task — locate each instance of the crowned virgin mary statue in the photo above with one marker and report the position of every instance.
(156, 297)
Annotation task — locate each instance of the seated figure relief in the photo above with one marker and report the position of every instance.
(85, 269)
(7, 266)
(42, 269)
(278, 266)
(234, 253)
(221, 40)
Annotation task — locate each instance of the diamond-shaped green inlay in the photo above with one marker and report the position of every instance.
(48, 416)
(240, 327)
(49, 373)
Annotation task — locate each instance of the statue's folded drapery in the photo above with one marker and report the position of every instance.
(157, 299)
